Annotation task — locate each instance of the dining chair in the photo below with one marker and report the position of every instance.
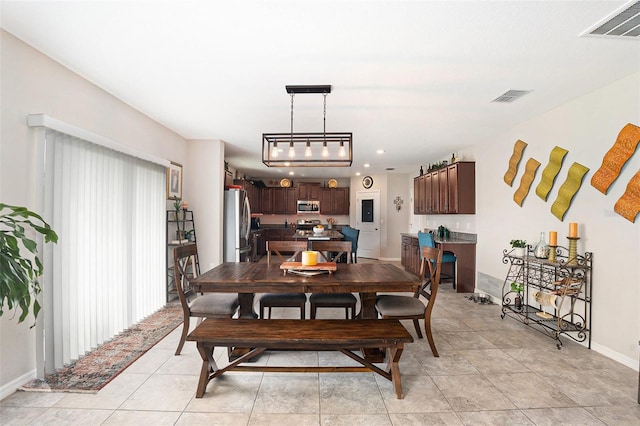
(426, 239)
(294, 250)
(211, 305)
(407, 307)
(351, 234)
(333, 249)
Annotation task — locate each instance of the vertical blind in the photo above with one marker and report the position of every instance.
(107, 270)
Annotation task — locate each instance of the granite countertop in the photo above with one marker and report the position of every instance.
(455, 238)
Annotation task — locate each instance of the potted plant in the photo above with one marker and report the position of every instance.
(18, 273)
(518, 247)
(518, 288)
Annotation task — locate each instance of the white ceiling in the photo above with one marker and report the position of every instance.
(414, 78)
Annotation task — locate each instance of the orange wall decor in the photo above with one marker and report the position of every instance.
(525, 182)
(568, 190)
(616, 157)
(628, 205)
(514, 161)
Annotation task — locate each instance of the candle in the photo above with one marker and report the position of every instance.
(553, 238)
(309, 258)
(573, 230)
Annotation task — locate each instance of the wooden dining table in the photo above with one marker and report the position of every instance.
(246, 279)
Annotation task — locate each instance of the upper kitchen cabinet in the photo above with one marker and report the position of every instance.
(308, 191)
(284, 201)
(334, 201)
(450, 190)
(253, 193)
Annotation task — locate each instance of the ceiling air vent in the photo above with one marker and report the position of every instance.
(511, 95)
(625, 23)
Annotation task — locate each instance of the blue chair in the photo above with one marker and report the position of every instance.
(351, 234)
(425, 239)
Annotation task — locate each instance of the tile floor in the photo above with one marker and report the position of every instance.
(490, 372)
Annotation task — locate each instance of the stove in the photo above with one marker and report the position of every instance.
(306, 224)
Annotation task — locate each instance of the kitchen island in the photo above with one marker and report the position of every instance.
(326, 235)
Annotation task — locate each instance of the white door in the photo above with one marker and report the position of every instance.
(368, 222)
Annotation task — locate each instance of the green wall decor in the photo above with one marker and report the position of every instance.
(623, 148)
(525, 182)
(550, 172)
(628, 205)
(514, 161)
(568, 190)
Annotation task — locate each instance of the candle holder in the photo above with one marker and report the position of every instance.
(552, 254)
(573, 251)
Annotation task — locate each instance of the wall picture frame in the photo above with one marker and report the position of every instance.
(174, 181)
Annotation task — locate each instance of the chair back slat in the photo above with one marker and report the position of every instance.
(185, 268)
(293, 250)
(337, 247)
(430, 269)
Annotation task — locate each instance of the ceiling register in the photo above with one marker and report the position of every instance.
(308, 149)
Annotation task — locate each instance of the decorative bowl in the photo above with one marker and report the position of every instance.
(318, 229)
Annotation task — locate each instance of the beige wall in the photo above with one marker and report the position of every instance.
(587, 127)
(33, 83)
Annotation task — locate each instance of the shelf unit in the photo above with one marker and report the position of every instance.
(181, 229)
(563, 288)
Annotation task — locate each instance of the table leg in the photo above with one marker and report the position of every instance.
(246, 305)
(368, 311)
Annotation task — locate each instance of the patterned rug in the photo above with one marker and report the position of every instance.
(97, 368)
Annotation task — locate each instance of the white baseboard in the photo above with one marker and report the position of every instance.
(616, 356)
(13, 385)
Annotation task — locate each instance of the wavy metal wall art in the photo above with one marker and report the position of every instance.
(568, 190)
(628, 205)
(616, 157)
(525, 182)
(550, 172)
(514, 161)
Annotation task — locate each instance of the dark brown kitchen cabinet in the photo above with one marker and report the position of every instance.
(284, 200)
(253, 194)
(266, 200)
(309, 191)
(410, 255)
(450, 190)
(334, 201)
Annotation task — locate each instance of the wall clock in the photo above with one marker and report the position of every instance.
(367, 182)
(332, 183)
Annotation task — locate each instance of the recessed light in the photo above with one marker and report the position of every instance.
(291, 173)
(367, 165)
(357, 173)
(380, 151)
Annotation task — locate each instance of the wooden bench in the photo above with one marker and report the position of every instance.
(346, 336)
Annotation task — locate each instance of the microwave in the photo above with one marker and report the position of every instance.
(308, 206)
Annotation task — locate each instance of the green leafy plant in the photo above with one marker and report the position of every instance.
(19, 274)
(177, 203)
(517, 287)
(518, 243)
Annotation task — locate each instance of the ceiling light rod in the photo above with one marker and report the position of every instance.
(318, 88)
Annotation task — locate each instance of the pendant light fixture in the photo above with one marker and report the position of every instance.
(320, 149)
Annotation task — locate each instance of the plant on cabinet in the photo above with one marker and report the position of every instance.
(518, 288)
(519, 247)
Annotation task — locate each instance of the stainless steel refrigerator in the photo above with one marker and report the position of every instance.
(237, 226)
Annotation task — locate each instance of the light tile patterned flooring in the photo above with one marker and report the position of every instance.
(490, 372)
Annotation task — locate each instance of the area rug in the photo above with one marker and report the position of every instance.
(97, 368)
